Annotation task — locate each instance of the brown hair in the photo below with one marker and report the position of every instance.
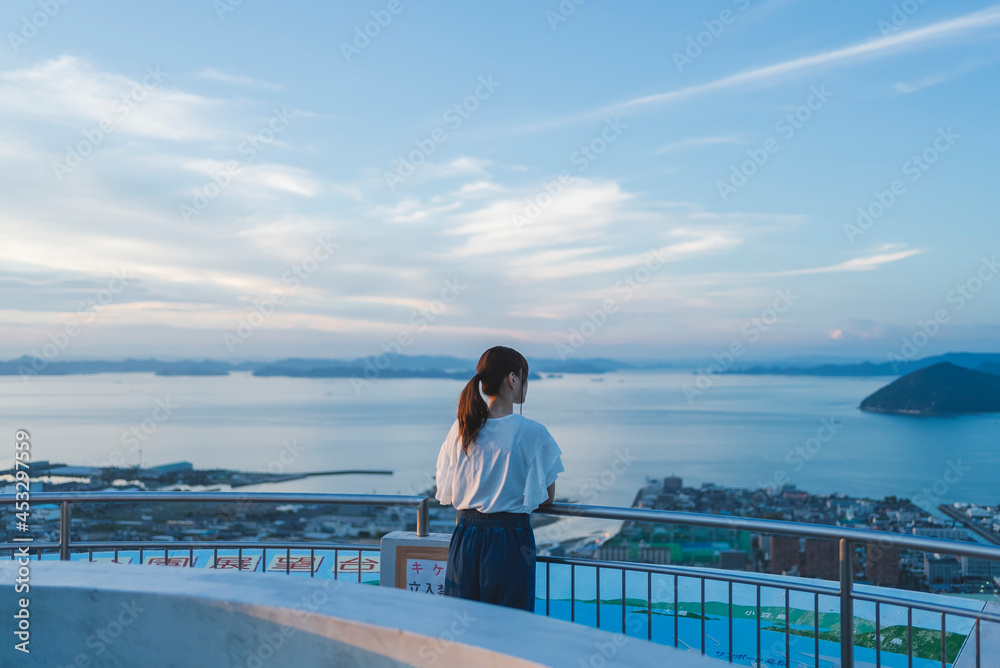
(492, 369)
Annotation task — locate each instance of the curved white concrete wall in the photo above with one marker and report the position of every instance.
(117, 616)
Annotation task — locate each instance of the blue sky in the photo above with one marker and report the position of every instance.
(637, 180)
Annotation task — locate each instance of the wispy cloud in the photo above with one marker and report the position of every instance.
(217, 75)
(951, 28)
(412, 211)
(276, 177)
(697, 141)
(458, 167)
(580, 213)
(707, 243)
(70, 91)
(857, 264)
(905, 88)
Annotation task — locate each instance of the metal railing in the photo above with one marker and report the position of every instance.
(244, 551)
(235, 500)
(845, 590)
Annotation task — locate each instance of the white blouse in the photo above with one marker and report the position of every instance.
(509, 467)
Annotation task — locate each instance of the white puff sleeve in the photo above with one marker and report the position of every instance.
(444, 476)
(543, 469)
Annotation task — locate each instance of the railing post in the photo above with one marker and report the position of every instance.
(65, 518)
(422, 514)
(846, 604)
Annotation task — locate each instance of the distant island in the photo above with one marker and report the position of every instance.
(380, 366)
(940, 389)
(391, 365)
(987, 362)
(38, 366)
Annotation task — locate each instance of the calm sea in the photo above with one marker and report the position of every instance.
(614, 431)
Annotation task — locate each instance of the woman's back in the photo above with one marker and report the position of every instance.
(495, 468)
(507, 469)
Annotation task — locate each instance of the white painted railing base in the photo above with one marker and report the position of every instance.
(129, 616)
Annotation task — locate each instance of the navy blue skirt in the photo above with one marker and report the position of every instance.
(492, 558)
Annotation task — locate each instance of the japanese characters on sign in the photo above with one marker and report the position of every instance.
(426, 576)
(294, 564)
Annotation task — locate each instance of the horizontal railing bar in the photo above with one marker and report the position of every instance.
(36, 545)
(731, 576)
(881, 538)
(693, 572)
(40, 498)
(901, 602)
(780, 527)
(83, 546)
(222, 545)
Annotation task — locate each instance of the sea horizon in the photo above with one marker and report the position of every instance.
(614, 429)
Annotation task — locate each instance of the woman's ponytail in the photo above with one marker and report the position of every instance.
(472, 412)
(494, 366)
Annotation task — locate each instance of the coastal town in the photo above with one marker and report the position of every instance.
(817, 558)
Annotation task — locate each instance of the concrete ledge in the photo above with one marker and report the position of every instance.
(128, 616)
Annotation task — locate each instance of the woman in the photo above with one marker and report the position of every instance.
(495, 468)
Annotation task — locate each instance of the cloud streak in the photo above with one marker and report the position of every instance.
(68, 91)
(696, 141)
(951, 28)
(904, 88)
(857, 264)
(236, 80)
